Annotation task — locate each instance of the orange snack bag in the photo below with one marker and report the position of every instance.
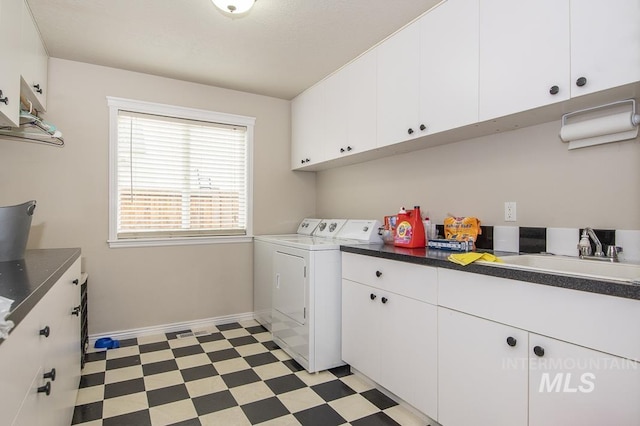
(462, 228)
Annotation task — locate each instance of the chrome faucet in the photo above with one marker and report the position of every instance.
(584, 246)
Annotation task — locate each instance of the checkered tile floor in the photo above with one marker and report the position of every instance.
(233, 376)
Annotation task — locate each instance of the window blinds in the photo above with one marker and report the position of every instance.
(179, 177)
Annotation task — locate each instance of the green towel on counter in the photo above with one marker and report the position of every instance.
(466, 258)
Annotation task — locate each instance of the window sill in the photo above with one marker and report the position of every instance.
(187, 241)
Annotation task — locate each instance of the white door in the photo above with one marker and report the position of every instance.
(572, 385)
(482, 377)
(307, 127)
(524, 53)
(399, 86)
(605, 44)
(289, 294)
(449, 66)
(361, 103)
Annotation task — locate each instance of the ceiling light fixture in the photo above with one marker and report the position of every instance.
(235, 7)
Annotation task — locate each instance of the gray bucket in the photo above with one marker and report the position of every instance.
(15, 223)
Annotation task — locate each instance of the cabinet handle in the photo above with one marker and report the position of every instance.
(45, 331)
(50, 375)
(372, 296)
(538, 350)
(410, 131)
(76, 311)
(378, 274)
(4, 100)
(423, 127)
(554, 90)
(46, 389)
(349, 148)
(511, 341)
(37, 87)
(581, 81)
(384, 300)
(76, 281)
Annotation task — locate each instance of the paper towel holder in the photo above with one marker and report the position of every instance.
(615, 127)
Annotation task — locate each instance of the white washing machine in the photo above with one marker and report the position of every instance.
(305, 275)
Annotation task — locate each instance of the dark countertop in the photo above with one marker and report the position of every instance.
(438, 258)
(26, 281)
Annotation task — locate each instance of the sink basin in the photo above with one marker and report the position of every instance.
(573, 266)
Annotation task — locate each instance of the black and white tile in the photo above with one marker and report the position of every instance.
(233, 375)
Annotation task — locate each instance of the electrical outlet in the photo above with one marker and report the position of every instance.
(510, 211)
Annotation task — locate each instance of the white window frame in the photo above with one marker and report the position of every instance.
(117, 104)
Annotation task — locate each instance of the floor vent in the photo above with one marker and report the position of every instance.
(193, 334)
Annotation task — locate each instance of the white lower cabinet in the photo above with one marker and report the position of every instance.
(392, 339)
(482, 376)
(46, 340)
(573, 385)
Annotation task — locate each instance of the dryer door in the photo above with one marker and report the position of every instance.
(289, 291)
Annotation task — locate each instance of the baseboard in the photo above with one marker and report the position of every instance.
(169, 328)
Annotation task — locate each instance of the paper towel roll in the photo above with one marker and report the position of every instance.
(601, 126)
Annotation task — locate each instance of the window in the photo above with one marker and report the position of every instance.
(178, 175)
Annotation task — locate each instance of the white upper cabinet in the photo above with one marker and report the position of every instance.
(34, 62)
(605, 44)
(307, 127)
(449, 66)
(10, 11)
(524, 55)
(399, 87)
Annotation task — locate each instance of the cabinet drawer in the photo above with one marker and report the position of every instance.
(592, 320)
(407, 279)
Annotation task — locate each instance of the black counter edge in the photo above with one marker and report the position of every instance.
(609, 288)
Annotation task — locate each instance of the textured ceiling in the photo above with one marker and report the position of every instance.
(279, 48)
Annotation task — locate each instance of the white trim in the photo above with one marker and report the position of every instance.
(183, 241)
(169, 328)
(115, 104)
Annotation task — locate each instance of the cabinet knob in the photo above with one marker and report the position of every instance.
(45, 331)
(554, 90)
(378, 274)
(538, 350)
(341, 149)
(50, 375)
(37, 87)
(581, 81)
(511, 341)
(76, 311)
(384, 300)
(76, 281)
(306, 160)
(372, 296)
(46, 389)
(349, 148)
(423, 127)
(4, 100)
(410, 131)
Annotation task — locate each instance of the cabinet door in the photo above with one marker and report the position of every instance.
(33, 63)
(605, 44)
(449, 66)
(336, 114)
(408, 351)
(360, 328)
(399, 87)
(307, 128)
(524, 52)
(482, 379)
(361, 103)
(10, 12)
(571, 384)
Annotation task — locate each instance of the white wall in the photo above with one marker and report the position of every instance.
(553, 187)
(139, 287)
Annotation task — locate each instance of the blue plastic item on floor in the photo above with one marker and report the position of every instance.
(107, 343)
